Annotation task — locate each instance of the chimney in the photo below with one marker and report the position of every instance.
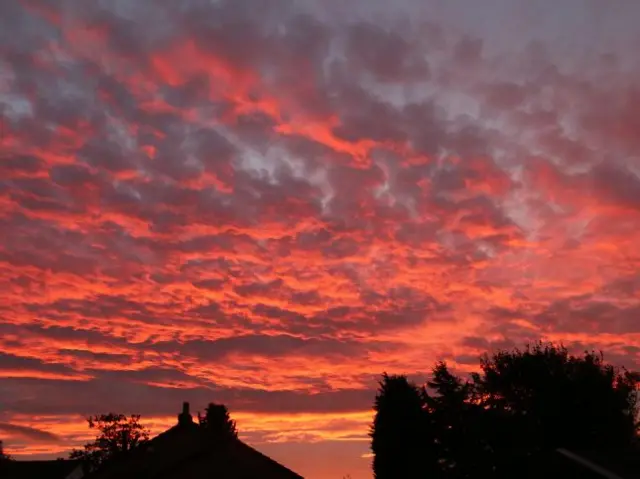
(184, 418)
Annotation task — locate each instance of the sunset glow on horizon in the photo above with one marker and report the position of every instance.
(269, 203)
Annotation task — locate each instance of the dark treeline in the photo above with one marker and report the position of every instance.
(521, 404)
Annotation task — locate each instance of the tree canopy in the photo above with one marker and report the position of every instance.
(521, 403)
(117, 434)
(561, 400)
(398, 438)
(217, 421)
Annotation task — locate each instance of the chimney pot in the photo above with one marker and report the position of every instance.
(185, 416)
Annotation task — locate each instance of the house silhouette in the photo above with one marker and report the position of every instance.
(187, 451)
(54, 469)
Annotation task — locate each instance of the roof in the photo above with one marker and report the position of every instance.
(186, 451)
(56, 469)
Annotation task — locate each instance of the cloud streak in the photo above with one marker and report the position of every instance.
(28, 433)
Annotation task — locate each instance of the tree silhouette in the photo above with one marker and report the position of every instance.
(560, 400)
(5, 460)
(399, 435)
(218, 422)
(117, 434)
(3, 456)
(522, 405)
(455, 423)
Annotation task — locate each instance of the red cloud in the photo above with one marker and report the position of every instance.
(270, 209)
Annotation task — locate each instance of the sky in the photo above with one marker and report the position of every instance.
(269, 203)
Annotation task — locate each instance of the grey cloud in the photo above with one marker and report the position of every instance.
(259, 289)
(12, 362)
(467, 359)
(151, 375)
(617, 183)
(484, 344)
(22, 164)
(367, 117)
(71, 175)
(505, 96)
(583, 314)
(29, 433)
(261, 345)
(385, 54)
(99, 396)
(468, 50)
(107, 154)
